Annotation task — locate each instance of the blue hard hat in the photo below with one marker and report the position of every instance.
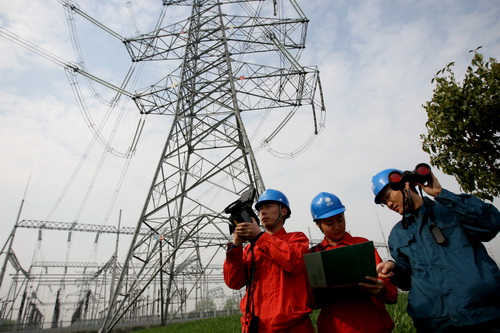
(380, 181)
(270, 195)
(326, 205)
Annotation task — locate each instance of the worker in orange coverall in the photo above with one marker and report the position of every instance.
(360, 310)
(272, 269)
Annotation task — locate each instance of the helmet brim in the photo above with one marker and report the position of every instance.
(377, 199)
(260, 203)
(330, 214)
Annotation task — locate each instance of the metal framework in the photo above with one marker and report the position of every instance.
(31, 295)
(234, 61)
(207, 160)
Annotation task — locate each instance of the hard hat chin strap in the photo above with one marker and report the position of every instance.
(278, 218)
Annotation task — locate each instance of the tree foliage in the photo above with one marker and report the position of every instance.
(205, 304)
(463, 126)
(232, 303)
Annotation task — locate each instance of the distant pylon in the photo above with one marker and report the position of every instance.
(207, 161)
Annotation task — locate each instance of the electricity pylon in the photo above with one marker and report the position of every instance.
(207, 161)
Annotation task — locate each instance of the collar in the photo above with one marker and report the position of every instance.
(346, 240)
(278, 233)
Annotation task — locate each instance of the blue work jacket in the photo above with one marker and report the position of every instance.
(454, 283)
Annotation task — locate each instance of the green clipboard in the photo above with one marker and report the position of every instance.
(342, 266)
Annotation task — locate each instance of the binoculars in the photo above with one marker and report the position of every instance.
(421, 174)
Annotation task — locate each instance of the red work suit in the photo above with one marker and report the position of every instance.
(366, 315)
(277, 293)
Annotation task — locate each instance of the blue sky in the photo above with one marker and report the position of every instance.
(376, 60)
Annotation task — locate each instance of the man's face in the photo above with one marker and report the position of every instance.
(392, 199)
(269, 213)
(333, 227)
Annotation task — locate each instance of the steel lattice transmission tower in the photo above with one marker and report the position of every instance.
(207, 161)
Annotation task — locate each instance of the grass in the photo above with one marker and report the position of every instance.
(403, 321)
(231, 324)
(228, 324)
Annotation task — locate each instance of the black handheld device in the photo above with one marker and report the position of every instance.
(241, 210)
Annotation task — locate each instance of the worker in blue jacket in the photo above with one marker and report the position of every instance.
(438, 252)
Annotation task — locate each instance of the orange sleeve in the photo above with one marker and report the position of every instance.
(235, 268)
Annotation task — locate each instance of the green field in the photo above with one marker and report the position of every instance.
(231, 324)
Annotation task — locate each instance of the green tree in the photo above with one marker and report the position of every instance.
(205, 304)
(463, 126)
(232, 303)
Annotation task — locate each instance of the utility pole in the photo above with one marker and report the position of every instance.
(233, 61)
(207, 160)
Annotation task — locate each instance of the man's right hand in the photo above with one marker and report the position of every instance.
(245, 231)
(385, 268)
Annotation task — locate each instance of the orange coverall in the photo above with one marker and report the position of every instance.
(277, 293)
(368, 314)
